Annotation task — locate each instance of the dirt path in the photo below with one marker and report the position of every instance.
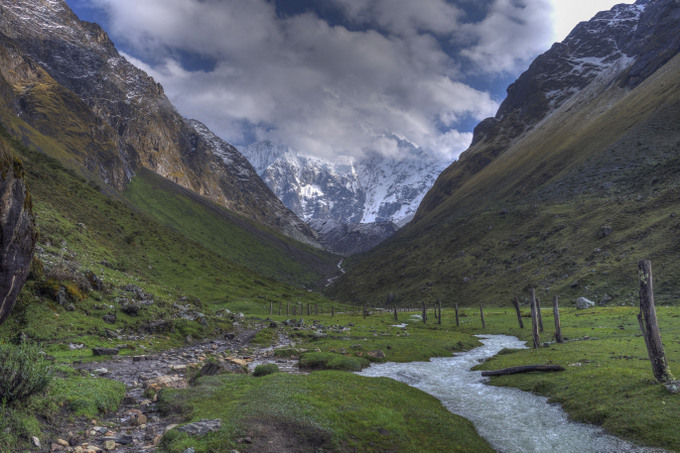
(138, 426)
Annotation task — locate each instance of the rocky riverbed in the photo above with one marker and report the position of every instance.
(138, 425)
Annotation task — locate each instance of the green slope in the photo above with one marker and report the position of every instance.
(231, 236)
(84, 233)
(568, 208)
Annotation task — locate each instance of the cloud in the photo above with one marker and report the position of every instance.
(512, 32)
(387, 66)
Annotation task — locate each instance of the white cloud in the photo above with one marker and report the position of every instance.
(568, 14)
(323, 89)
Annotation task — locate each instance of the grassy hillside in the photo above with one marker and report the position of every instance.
(96, 257)
(569, 208)
(231, 236)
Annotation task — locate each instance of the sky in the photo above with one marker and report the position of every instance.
(338, 77)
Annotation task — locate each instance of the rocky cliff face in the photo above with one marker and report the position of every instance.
(54, 64)
(622, 46)
(17, 230)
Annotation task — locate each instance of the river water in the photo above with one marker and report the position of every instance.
(509, 419)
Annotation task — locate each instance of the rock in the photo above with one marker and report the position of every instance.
(201, 427)
(70, 307)
(130, 307)
(673, 387)
(109, 318)
(582, 303)
(95, 281)
(35, 441)
(163, 382)
(104, 351)
(190, 450)
(377, 354)
(137, 418)
(606, 298)
(101, 371)
(63, 443)
(109, 445)
(605, 230)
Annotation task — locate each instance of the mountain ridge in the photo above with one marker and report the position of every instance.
(125, 119)
(565, 202)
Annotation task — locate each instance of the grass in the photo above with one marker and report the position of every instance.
(535, 214)
(233, 237)
(324, 411)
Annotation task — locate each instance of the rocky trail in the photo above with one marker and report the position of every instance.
(138, 425)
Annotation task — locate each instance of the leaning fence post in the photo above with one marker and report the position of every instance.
(534, 319)
(515, 303)
(558, 325)
(649, 326)
(481, 313)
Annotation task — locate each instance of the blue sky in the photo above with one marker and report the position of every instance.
(333, 77)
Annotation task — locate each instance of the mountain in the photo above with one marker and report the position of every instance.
(572, 181)
(67, 91)
(369, 196)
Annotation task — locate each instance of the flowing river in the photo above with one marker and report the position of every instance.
(509, 419)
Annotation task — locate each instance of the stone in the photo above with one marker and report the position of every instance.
(104, 351)
(229, 336)
(63, 443)
(582, 303)
(109, 318)
(377, 354)
(109, 445)
(136, 417)
(201, 428)
(35, 441)
(163, 382)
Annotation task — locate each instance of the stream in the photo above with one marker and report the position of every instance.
(511, 420)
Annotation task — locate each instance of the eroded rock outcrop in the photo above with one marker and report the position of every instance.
(17, 230)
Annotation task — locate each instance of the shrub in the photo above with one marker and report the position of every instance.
(23, 371)
(265, 369)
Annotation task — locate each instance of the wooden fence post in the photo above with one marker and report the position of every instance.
(515, 303)
(332, 311)
(396, 318)
(287, 308)
(481, 313)
(558, 325)
(424, 313)
(439, 318)
(649, 326)
(534, 319)
(280, 303)
(271, 307)
(539, 315)
(457, 320)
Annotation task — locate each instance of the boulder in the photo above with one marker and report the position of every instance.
(201, 428)
(164, 382)
(17, 230)
(582, 303)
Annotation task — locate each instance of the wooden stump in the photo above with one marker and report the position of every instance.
(649, 326)
(558, 325)
(515, 303)
(534, 319)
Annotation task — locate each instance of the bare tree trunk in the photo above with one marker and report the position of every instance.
(481, 313)
(534, 319)
(515, 303)
(558, 324)
(649, 326)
